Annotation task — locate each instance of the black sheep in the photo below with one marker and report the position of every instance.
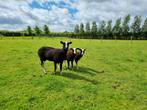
(70, 56)
(53, 54)
(79, 54)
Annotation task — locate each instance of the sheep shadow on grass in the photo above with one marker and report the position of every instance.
(87, 70)
(74, 76)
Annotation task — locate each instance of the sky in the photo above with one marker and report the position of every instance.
(63, 15)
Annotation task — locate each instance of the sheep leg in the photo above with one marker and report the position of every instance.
(72, 64)
(61, 68)
(55, 67)
(68, 64)
(77, 64)
(43, 68)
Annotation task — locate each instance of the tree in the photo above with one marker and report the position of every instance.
(109, 28)
(46, 30)
(76, 30)
(144, 29)
(81, 28)
(102, 29)
(94, 28)
(29, 30)
(37, 30)
(117, 28)
(87, 27)
(125, 26)
(135, 28)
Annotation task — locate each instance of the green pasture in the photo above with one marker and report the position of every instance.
(112, 76)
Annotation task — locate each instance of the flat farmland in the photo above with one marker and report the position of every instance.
(112, 75)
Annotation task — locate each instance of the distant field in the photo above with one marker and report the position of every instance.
(122, 85)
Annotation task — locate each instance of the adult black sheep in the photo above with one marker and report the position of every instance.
(53, 54)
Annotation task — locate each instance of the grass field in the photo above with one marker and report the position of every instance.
(122, 85)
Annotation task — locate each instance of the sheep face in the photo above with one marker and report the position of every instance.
(74, 50)
(65, 44)
(83, 51)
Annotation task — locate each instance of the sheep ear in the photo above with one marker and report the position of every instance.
(78, 49)
(70, 42)
(61, 42)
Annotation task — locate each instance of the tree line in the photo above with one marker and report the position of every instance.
(122, 29)
(35, 32)
(29, 31)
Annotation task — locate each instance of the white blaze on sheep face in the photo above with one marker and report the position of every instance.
(74, 49)
(82, 51)
(65, 44)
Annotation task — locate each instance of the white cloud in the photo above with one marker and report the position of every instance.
(17, 14)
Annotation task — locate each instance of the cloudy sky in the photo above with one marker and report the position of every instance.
(62, 15)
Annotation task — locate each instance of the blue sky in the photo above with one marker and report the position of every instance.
(49, 4)
(62, 15)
